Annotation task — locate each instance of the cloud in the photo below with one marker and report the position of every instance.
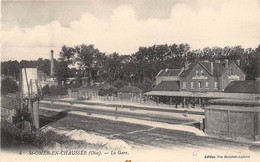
(231, 23)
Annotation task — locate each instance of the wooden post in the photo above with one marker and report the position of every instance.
(228, 124)
(36, 114)
(170, 100)
(30, 103)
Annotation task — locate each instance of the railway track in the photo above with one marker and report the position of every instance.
(112, 112)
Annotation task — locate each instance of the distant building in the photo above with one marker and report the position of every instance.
(88, 91)
(44, 79)
(129, 92)
(93, 90)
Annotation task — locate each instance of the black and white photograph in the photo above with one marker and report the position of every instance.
(130, 80)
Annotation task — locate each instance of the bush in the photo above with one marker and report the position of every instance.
(58, 90)
(10, 133)
(22, 114)
(8, 85)
(46, 90)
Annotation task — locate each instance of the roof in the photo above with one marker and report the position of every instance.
(218, 68)
(243, 86)
(108, 86)
(169, 72)
(130, 89)
(168, 86)
(9, 102)
(186, 72)
(204, 94)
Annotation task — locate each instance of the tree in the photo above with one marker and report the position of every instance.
(10, 68)
(8, 85)
(44, 65)
(113, 67)
(90, 60)
(61, 72)
(145, 85)
(120, 83)
(67, 54)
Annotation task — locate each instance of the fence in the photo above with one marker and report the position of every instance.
(113, 98)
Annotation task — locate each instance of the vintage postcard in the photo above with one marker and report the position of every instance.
(130, 81)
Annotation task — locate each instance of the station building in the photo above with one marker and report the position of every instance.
(196, 83)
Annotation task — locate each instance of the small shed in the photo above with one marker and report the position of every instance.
(236, 122)
(107, 89)
(88, 91)
(129, 92)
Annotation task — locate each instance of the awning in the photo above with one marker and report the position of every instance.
(234, 108)
(203, 94)
(236, 101)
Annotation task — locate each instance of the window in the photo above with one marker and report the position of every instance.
(197, 72)
(216, 85)
(183, 84)
(207, 85)
(199, 84)
(202, 73)
(192, 84)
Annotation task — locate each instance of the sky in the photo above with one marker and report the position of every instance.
(30, 29)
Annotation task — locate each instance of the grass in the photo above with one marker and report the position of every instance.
(12, 136)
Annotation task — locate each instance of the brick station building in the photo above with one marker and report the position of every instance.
(196, 83)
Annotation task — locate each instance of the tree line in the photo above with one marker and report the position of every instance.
(139, 68)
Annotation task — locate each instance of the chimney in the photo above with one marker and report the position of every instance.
(52, 66)
(238, 62)
(226, 63)
(211, 67)
(186, 65)
(217, 61)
